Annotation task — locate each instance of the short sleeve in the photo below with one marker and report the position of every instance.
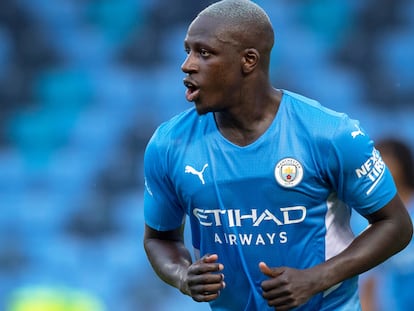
(357, 171)
(162, 210)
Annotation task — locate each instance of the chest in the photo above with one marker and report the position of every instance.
(271, 175)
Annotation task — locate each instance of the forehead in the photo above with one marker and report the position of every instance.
(207, 28)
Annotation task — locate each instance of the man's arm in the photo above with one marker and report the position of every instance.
(172, 262)
(167, 254)
(389, 232)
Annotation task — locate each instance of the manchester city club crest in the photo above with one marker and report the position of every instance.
(288, 172)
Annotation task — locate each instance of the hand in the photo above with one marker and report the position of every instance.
(287, 288)
(202, 281)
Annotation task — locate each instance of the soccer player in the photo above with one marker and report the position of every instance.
(267, 177)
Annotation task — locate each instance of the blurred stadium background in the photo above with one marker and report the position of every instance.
(83, 84)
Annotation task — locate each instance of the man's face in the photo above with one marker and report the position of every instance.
(213, 66)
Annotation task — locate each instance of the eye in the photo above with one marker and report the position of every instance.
(204, 53)
(187, 50)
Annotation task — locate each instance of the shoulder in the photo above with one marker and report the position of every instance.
(177, 128)
(179, 123)
(330, 131)
(170, 138)
(310, 109)
(314, 119)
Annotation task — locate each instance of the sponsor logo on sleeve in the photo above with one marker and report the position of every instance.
(372, 169)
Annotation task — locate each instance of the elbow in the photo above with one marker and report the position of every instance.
(406, 232)
(409, 233)
(149, 244)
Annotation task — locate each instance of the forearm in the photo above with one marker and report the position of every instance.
(384, 238)
(169, 259)
(357, 258)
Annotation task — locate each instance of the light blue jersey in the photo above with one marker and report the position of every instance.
(279, 200)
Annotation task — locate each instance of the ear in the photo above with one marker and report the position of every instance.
(250, 60)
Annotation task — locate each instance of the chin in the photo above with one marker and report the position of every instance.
(201, 110)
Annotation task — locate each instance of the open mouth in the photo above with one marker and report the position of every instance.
(192, 90)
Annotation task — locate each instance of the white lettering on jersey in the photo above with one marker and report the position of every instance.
(373, 168)
(235, 218)
(253, 218)
(248, 239)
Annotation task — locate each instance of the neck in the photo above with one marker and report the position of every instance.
(247, 121)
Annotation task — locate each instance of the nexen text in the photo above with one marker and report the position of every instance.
(372, 168)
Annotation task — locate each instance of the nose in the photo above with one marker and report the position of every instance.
(189, 65)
